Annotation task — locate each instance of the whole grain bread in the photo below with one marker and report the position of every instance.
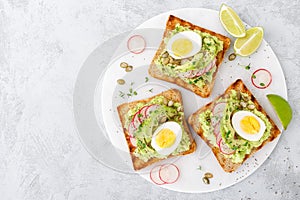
(154, 71)
(123, 109)
(225, 162)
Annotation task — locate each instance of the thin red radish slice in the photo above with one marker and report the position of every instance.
(198, 72)
(154, 175)
(215, 120)
(261, 78)
(219, 108)
(131, 129)
(136, 44)
(218, 138)
(135, 120)
(142, 113)
(134, 124)
(217, 133)
(211, 65)
(217, 128)
(133, 141)
(224, 148)
(169, 173)
(151, 109)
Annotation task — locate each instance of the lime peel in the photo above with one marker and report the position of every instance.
(282, 109)
(231, 21)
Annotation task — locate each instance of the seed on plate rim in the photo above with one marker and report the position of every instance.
(123, 64)
(232, 56)
(121, 81)
(128, 68)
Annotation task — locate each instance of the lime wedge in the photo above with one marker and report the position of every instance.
(247, 45)
(282, 109)
(231, 21)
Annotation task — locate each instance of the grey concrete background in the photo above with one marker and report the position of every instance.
(42, 47)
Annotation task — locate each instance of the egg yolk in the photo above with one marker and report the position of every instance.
(165, 138)
(182, 47)
(250, 125)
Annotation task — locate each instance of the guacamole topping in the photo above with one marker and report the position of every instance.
(144, 132)
(241, 146)
(211, 46)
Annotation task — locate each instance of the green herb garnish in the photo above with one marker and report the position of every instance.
(121, 94)
(248, 66)
(146, 79)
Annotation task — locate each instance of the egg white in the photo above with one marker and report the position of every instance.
(195, 38)
(236, 119)
(173, 126)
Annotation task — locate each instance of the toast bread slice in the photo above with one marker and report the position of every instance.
(225, 162)
(155, 72)
(172, 94)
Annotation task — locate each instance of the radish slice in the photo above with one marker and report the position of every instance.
(261, 78)
(169, 173)
(151, 109)
(136, 44)
(215, 120)
(217, 128)
(217, 133)
(218, 138)
(154, 175)
(224, 148)
(133, 141)
(131, 129)
(142, 113)
(211, 65)
(135, 123)
(219, 108)
(137, 119)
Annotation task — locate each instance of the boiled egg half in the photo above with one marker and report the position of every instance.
(184, 44)
(248, 125)
(166, 138)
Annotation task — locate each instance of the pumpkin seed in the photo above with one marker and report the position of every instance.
(205, 180)
(170, 103)
(245, 98)
(121, 81)
(129, 68)
(163, 119)
(243, 104)
(232, 56)
(179, 109)
(208, 175)
(123, 65)
(251, 107)
(165, 55)
(165, 61)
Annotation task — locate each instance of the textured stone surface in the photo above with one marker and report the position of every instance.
(42, 47)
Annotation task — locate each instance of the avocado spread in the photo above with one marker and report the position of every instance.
(211, 46)
(241, 146)
(145, 131)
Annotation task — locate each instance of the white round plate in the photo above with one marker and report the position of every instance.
(108, 95)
